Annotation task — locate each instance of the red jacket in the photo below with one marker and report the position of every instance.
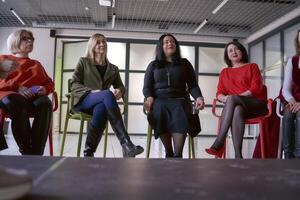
(29, 73)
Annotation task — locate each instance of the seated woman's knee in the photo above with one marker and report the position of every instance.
(108, 95)
(43, 102)
(232, 98)
(238, 112)
(15, 103)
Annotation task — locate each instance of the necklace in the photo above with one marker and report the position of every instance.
(168, 75)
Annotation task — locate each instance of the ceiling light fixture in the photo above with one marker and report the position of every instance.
(113, 21)
(17, 16)
(219, 6)
(105, 3)
(200, 26)
(113, 3)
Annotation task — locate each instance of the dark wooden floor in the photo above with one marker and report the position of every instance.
(154, 179)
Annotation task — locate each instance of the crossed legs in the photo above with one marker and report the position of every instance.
(103, 105)
(236, 110)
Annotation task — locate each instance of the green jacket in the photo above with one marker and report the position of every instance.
(86, 77)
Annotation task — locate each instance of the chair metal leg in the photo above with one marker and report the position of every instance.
(50, 140)
(80, 137)
(149, 138)
(225, 147)
(64, 135)
(279, 151)
(105, 140)
(189, 143)
(262, 140)
(191, 148)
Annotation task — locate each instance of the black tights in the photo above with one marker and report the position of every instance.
(236, 110)
(30, 139)
(178, 141)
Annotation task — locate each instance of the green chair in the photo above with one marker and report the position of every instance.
(82, 117)
(149, 139)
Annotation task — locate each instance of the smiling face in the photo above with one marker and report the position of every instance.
(234, 53)
(100, 46)
(26, 43)
(169, 46)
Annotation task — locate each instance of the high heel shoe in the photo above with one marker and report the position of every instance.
(218, 153)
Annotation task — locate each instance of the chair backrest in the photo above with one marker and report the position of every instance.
(265, 91)
(70, 97)
(69, 85)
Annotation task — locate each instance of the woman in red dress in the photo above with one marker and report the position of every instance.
(240, 90)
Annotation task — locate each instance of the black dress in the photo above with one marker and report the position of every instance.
(170, 84)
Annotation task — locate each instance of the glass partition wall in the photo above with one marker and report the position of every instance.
(132, 57)
(271, 53)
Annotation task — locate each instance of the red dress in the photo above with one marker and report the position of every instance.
(234, 81)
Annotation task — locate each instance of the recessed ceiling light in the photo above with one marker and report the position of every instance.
(219, 6)
(86, 8)
(104, 2)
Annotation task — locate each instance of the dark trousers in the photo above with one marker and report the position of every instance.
(30, 139)
(291, 133)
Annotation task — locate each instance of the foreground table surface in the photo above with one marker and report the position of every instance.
(96, 178)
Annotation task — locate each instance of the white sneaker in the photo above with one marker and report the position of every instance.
(14, 183)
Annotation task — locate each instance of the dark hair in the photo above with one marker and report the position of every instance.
(244, 58)
(297, 45)
(160, 55)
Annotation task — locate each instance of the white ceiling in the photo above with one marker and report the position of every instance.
(237, 18)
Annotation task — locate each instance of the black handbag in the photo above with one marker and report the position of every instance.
(195, 126)
(194, 122)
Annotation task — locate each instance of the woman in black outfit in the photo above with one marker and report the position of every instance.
(168, 81)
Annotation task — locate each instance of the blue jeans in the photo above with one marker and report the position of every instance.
(96, 104)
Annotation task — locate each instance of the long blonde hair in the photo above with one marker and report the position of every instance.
(89, 53)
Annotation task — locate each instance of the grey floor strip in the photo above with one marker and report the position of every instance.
(51, 169)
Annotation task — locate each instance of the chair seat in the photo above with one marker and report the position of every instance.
(80, 115)
(254, 120)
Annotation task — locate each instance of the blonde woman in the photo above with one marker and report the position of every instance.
(90, 84)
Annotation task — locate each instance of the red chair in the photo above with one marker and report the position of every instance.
(4, 115)
(279, 112)
(257, 120)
